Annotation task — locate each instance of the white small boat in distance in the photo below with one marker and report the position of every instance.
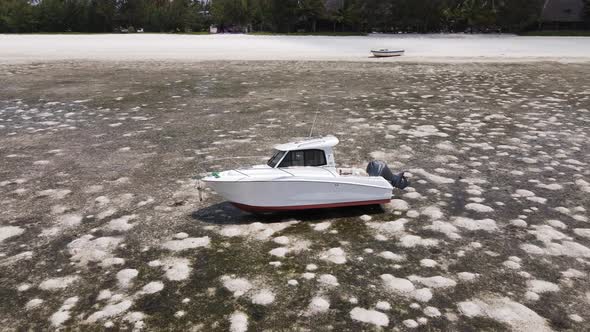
(303, 175)
(387, 53)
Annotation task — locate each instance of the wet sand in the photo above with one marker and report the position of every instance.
(102, 225)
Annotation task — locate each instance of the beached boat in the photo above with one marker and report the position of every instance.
(387, 53)
(303, 175)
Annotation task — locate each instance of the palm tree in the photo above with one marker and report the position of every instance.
(477, 12)
(338, 17)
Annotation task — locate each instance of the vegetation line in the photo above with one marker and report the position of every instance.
(331, 17)
(556, 33)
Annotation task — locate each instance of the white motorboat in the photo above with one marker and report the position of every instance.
(387, 53)
(303, 175)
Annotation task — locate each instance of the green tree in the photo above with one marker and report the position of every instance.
(50, 15)
(337, 17)
(231, 12)
(73, 15)
(283, 15)
(16, 16)
(586, 11)
(271, 15)
(374, 15)
(196, 16)
(352, 14)
(518, 15)
(477, 13)
(102, 15)
(176, 15)
(260, 15)
(310, 11)
(134, 13)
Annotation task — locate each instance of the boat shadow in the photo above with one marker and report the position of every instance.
(226, 214)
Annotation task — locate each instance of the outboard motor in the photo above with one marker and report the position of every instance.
(379, 168)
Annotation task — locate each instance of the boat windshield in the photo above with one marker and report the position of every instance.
(272, 162)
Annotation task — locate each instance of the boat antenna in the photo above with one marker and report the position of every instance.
(313, 124)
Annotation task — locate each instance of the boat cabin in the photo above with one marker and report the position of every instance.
(315, 152)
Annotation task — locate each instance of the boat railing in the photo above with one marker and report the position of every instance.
(237, 170)
(329, 171)
(291, 174)
(200, 185)
(232, 159)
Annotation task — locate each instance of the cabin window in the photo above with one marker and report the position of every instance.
(315, 158)
(304, 158)
(293, 158)
(272, 162)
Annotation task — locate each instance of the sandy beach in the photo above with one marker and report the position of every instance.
(169, 47)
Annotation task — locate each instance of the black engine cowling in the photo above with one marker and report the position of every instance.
(379, 168)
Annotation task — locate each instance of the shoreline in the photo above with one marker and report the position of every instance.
(455, 48)
(397, 60)
(534, 33)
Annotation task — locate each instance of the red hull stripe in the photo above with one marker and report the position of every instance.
(251, 208)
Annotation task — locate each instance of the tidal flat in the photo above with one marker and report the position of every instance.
(102, 225)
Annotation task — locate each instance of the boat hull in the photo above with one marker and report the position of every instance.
(296, 194)
(251, 208)
(386, 54)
